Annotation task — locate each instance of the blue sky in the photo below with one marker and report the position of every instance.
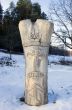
(44, 4)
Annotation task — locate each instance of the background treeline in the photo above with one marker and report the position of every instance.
(9, 20)
(59, 51)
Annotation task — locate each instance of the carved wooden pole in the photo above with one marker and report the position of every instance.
(35, 40)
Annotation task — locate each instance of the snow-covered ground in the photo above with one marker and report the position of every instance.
(12, 85)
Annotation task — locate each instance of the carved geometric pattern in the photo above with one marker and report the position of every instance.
(37, 92)
(35, 74)
(34, 34)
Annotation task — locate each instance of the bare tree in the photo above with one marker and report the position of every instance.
(61, 15)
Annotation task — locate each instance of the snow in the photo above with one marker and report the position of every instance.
(56, 58)
(12, 80)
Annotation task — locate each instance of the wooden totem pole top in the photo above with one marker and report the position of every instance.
(37, 33)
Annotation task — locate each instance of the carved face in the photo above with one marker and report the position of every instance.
(36, 58)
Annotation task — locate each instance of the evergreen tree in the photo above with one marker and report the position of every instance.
(23, 9)
(43, 15)
(12, 11)
(12, 6)
(1, 13)
(36, 12)
(1, 17)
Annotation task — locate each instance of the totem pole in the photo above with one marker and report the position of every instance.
(35, 40)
